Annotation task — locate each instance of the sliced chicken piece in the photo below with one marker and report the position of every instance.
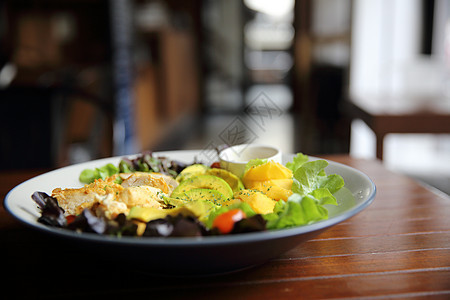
(170, 181)
(144, 195)
(147, 179)
(109, 207)
(110, 198)
(71, 199)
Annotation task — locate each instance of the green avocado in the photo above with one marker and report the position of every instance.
(204, 182)
(146, 214)
(233, 181)
(214, 196)
(191, 171)
(172, 201)
(200, 209)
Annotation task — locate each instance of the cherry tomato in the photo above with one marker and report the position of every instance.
(70, 218)
(225, 222)
(215, 165)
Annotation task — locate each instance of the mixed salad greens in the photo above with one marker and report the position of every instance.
(145, 162)
(190, 210)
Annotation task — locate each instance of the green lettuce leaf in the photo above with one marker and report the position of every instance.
(90, 175)
(311, 176)
(296, 211)
(107, 171)
(297, 162)
(323, 196)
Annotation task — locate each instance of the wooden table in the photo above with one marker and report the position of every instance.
(398, 247)
(385, 115)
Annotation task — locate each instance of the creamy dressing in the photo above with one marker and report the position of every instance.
(235, 158)
(244, 154)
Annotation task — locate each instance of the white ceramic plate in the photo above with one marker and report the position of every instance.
(190, 256)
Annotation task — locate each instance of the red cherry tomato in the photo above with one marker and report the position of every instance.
(225, 222)
(215, 165)
(70, 219)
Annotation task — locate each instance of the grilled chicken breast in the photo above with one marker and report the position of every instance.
(164, 182)
(111, 198)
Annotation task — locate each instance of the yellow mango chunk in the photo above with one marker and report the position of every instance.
(273, 189)
(283, 183)
(271, 178)
(267, 171)
(258, 201)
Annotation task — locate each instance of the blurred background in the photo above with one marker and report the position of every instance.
(85, 79)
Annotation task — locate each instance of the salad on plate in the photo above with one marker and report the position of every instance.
(153, 196)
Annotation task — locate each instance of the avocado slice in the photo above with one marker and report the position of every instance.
(191, 171)
(214, 196)
(146, 214)
(233, 181)
(204, 182)
(175, 201)
(200, 209)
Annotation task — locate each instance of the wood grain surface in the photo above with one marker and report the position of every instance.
(399, 247)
